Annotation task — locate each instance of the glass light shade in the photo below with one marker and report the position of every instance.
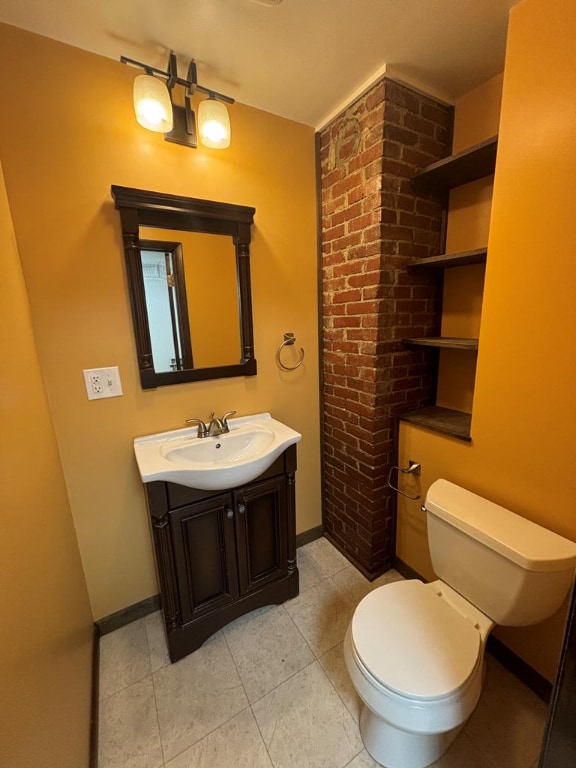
(213, 124)
(152, 104)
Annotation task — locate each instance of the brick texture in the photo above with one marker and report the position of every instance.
(373, 225)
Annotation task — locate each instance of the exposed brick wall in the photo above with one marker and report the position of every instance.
(372, 226)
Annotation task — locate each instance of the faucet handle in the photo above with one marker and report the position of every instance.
(202, 428)
(225, 420)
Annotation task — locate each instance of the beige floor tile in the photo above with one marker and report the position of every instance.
(463, 754)
(196, 695)
(387, 578)
(363, 760)
(334, 666)
(124, 658)
(157, 641)
(329, 559)
(322, 615)
(352, 585)
(309, 571)
(267, 650)
(128, 729)
(236, 744)
(508, 724)
(304, 723)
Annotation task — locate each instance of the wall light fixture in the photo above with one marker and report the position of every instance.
(155, 108)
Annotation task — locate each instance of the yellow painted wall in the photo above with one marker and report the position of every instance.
(524, 418)
(75, 136)
(45, 624)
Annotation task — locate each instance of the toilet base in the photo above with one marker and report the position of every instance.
(395, 748)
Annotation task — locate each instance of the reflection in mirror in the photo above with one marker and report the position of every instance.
(166, 305)
(188, 268)
(200, 294)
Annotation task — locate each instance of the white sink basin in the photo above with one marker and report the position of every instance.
(214, 463)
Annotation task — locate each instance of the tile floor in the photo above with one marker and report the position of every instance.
(271, 690)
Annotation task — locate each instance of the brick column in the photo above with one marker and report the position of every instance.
(372, 226)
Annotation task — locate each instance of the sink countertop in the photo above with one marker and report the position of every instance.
(165, 455)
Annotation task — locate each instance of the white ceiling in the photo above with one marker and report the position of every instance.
(301, 59)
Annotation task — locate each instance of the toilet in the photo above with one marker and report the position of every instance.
(415, 651)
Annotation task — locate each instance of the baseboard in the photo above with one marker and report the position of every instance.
(128, 615)
(523, 671)
(95, 702)
(405, 570)
(496, 648)
(310, 535)
(370, 575)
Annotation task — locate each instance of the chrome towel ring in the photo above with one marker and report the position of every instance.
(413, 468)
(289, 340)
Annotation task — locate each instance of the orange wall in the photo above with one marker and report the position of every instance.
(46, 624)
(524, 420)
(74, 136)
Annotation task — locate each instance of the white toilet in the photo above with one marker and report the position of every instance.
(415, 651)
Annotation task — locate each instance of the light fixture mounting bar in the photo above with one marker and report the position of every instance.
(172, 78)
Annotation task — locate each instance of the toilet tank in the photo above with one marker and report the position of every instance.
(513, 570)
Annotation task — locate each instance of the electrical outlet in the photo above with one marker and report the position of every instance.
(102, 382)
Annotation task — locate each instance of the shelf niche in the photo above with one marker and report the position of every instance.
(444, 342)
(444, 420)
(448, 260)
(464, 167)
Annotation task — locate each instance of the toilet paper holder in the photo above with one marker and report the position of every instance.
(413, 468)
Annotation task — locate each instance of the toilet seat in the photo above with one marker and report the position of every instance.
(413, 643)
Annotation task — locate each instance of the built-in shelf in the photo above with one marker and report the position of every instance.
(446, 260)
(444, 342)
(461, 168)
(444, 420)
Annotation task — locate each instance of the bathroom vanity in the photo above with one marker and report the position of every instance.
(222, 553)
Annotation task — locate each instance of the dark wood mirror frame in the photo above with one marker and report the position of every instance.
(141, 208)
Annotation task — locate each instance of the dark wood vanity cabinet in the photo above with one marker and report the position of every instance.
(221, 554)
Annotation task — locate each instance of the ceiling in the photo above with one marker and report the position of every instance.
(301, 59)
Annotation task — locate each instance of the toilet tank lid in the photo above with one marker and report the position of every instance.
(526, 543)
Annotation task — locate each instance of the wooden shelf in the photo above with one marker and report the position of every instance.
(446, 260)
(444, 420)
(444, 342)
(471, 164)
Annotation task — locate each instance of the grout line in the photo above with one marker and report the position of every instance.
(209, 733)
(154, 692)
(236, 666)
(262, 736)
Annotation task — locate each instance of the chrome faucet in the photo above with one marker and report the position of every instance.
(215, 427)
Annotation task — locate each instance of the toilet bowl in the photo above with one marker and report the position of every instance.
(415, 651)
(416, 661)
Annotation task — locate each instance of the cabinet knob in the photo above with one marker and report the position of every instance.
(241, 508)
(229, 513)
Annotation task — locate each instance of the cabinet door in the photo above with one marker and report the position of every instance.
(204, 552)
(261, 537)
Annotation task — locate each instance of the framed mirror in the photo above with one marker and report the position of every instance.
(188, 269)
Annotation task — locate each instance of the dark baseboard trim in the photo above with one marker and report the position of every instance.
(128, 615)
(523, 671)
(95, 697)
(370, 575)
(496, 648)
(405, 570)
(310, 535)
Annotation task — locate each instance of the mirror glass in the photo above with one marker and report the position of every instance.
(188, 270)
(194, 322)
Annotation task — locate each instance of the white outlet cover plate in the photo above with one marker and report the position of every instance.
(102, 382)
